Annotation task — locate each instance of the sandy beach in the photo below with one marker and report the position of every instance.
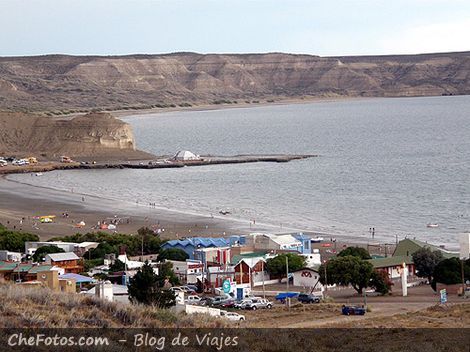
(20, 203)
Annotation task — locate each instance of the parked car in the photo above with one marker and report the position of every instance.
(353, 310)
(188, 289)
(19, 162)
(254, 303)
(3, 162)
(176, 289)
(232, 316)
(308, 298)
(230, 303)
(206, 301)
(193, 299)
(218, 300)
(191, 287)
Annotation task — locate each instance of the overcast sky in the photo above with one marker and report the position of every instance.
(325, 27)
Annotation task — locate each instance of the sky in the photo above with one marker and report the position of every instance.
(325, 27)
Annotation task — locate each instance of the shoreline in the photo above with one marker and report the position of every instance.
(240, 105)
(30, 200)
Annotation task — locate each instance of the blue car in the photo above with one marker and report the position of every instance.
(353, 310)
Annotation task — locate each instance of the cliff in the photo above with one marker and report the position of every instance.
(95, 135)
(60, 82)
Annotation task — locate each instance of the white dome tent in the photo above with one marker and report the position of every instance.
(185, 155)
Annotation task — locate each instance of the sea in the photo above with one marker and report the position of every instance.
(390, 166)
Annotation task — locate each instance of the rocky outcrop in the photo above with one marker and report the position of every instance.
(85, 82)
(95, 135)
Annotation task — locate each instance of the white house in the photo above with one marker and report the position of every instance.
(188, 271)
(10, 256)
(312, 259)
(308, 278)
(272, 242)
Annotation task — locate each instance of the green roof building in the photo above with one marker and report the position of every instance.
(408, 246)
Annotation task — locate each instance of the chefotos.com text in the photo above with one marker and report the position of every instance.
(56, 340)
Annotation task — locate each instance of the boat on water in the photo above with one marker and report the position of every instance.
(38, 173)
(432, 225)
(224, 212)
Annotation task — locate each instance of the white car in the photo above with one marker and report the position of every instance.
(232, 316)
(193, 299)
(19, 162)
(3, 162)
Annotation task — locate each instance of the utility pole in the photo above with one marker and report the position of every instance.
(142, 259)
(287, 280)
(287, 272)
(262, 271)
(326, 277)
(463, 277)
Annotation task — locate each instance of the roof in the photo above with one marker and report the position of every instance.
(185, 154)
(117, 290)
(38, 268)
(408, 246)
(86, 244)
(78, 278)
(198, 241)
(255, 255)
(58, 257)
(283, 239)
(391, 261)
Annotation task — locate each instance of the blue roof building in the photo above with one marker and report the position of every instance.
(189, 245)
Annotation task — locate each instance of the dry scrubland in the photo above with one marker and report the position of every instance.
(40, 307)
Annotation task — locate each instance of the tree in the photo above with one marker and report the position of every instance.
(355, 252)
(380, 281)
(173, 254)
(146, 287)
(100, 251)
(277, 265)
(152, 242)
(117, 266)
(41, 252)
(14, 240)
(426, 261)
(346, 271)
(449, 272)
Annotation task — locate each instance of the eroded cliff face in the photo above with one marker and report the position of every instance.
(91, 135)
(60, 82)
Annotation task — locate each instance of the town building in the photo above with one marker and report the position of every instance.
(77, 248)
(408, 246)
(188, 271)
(189, 245)
(274, 243)
(309, 278)
(69, 261)
(394, 265)
(216, 275)
(213, 256)
(8, 256)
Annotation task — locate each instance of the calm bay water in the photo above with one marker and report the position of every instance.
(391, 164)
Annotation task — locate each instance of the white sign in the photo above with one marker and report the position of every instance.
(465, 246)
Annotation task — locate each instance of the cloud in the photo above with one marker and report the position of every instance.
(437, 37)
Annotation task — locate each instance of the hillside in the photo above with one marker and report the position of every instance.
(74, 311)
(93, 135)
(73, 83)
